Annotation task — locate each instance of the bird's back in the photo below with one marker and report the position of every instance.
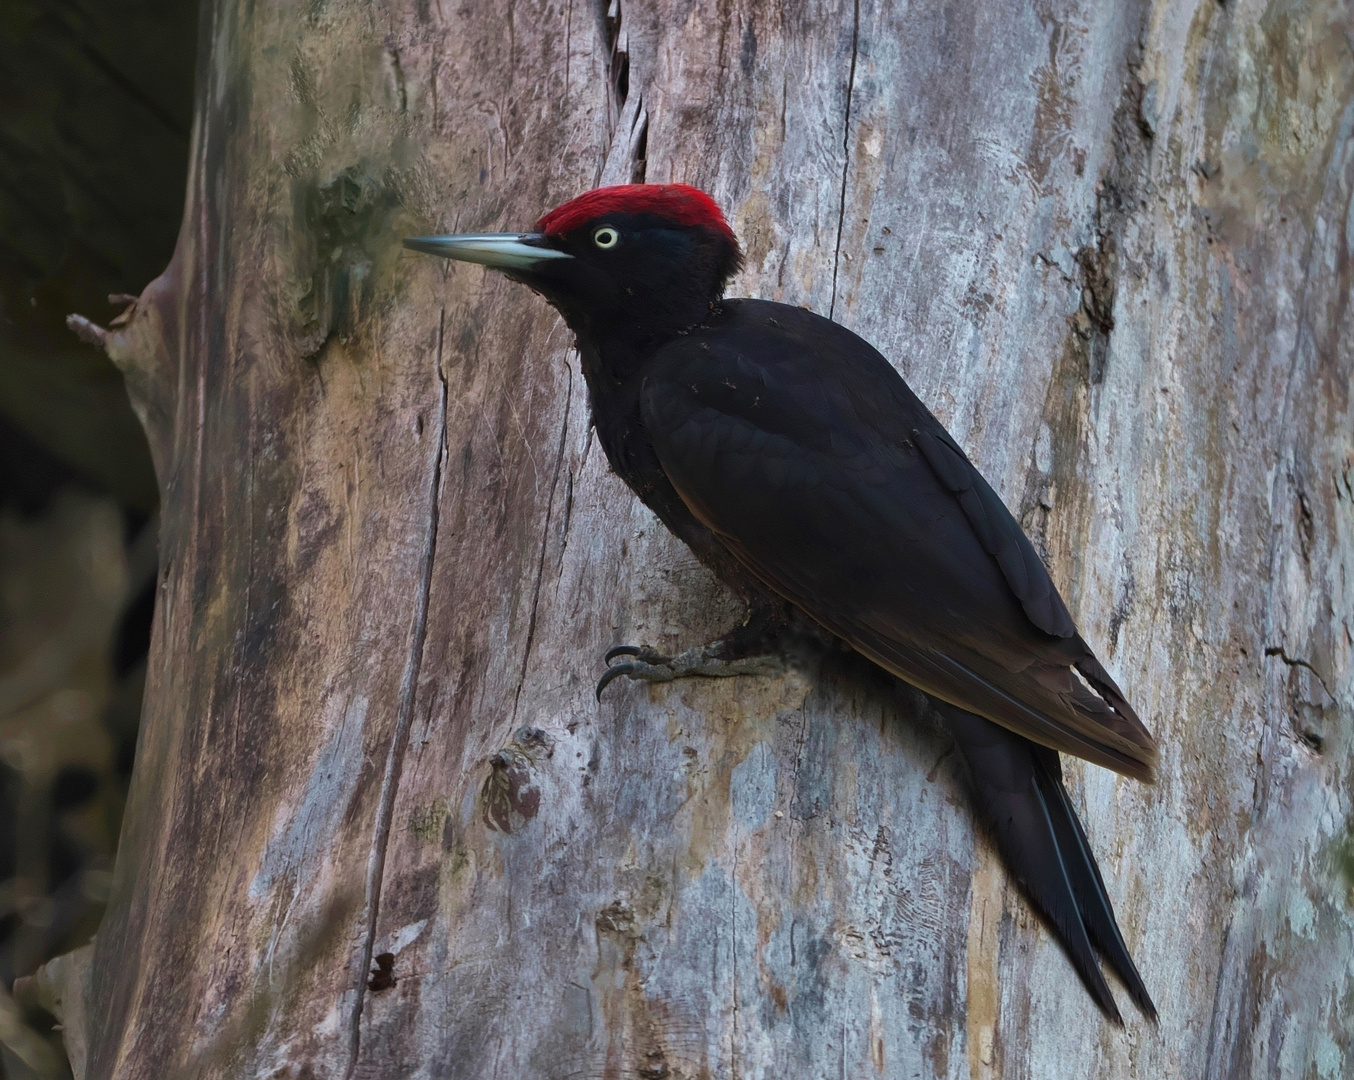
(806, 454)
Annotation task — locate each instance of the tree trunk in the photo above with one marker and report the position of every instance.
(380, 827)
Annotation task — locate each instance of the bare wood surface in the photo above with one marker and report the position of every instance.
(380, 827)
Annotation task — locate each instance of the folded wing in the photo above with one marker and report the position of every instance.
(816, 466)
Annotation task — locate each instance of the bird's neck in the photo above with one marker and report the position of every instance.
(614, 365)
(616, 349)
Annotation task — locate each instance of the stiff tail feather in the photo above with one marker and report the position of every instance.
(1019, 789)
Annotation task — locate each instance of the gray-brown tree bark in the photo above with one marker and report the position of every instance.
(380, 827)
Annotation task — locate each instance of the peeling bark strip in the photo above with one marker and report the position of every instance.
(379, 827)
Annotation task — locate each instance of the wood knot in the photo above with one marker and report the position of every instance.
(511, 797)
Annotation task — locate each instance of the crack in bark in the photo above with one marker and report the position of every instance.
(1218, 1003)
(1118, 192)
(733, 953)
(399, 741)
(564, 526)
(846, 156)
(617, 57)
(545, 540)
(1297, 661)
(627, 119)
(793, 801)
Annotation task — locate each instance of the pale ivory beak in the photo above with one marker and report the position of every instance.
(503, 251)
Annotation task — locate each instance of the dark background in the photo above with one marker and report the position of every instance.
(95, 123)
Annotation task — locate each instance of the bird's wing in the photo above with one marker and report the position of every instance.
(815, 465)
(997, 531)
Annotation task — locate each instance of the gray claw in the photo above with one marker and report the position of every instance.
(648, 664)
(651, 666)
(642, 653)
(633, 670)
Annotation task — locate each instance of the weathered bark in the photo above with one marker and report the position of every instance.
(1108, 243)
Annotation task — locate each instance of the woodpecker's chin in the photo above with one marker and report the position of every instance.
(502, 251)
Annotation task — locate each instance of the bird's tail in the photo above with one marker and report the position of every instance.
(1018, 786)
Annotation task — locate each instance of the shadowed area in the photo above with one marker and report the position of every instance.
(95, 111)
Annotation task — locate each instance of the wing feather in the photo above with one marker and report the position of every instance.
(1001, 537)
(831, 483)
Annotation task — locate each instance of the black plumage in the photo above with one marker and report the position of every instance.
(796, 463)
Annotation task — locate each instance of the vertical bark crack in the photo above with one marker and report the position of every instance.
(846, 156)
(399, 741)
(623, 160)
(1297, 661)
(733, 953)
(1215, 1047)
(792, 804)
(545, 540)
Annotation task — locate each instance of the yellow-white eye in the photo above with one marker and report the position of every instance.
(606, 238)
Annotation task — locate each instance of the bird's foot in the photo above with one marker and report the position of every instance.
(711, 661)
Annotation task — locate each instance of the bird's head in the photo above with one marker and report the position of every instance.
(638, 259)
